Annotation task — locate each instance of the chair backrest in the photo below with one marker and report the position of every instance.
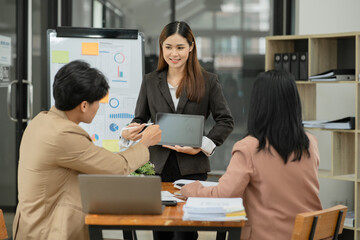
(3, 231)
(326, 222)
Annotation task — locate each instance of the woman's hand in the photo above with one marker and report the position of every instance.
(185, 149)
(133, 133)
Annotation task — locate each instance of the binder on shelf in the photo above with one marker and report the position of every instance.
(294, 65)
(277, 61)
(286, 61)
(303, 66)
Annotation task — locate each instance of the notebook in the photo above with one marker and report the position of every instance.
(119, 194)
(180, 129)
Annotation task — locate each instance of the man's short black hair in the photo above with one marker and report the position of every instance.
(77, 82)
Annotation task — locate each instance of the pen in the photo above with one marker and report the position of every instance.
(178, 195)
(148, 124)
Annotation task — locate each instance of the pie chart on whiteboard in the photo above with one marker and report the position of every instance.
(114, 127)
(119, 57)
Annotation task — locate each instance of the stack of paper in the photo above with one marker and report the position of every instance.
(349, 219)
(181, 182)
(167, 196)
(314, 123)
(214, 209)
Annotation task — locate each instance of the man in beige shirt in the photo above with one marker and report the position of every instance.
(55, 149)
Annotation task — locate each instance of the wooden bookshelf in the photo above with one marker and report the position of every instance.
(325, 52)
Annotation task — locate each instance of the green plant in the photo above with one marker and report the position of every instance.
(147, 169)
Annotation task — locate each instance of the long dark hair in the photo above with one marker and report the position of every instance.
(193, 80)
(275, 115)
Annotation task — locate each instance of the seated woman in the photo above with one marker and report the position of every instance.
(275, 167)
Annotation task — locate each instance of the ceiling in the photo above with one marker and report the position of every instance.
(154, 13)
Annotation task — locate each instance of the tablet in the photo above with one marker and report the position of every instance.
(180, 129)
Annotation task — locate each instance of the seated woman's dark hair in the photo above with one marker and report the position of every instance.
(77, 82)
(275, 115)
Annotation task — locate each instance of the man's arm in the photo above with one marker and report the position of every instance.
(78, 153)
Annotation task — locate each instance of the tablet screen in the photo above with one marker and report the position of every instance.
(180, 129)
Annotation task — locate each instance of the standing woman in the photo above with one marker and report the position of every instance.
(180, 85)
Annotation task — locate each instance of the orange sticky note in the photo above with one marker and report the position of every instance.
(90, 48)
(105, 99)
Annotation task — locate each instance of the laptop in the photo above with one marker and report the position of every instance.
(180, 129)
(119, 194)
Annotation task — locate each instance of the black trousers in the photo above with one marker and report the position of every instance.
(171, 173)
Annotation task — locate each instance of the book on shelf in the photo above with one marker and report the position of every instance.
(343, 123)
(214, 209)
(335, 75)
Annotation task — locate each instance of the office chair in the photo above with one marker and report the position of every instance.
(319, 224)
(3, 231)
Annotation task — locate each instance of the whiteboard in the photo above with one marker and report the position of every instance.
(118, 54)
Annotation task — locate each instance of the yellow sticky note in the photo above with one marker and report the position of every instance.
(111, 145)
(60, 56)
(89, 48)
(105, 99)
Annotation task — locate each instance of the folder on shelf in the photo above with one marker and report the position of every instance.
(277, 61)
(286, 61)
(335, 75)
(294, 65)
(303, 66)
(343, 123)
(334, 78)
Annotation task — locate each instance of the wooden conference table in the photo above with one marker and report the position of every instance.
(169, 220)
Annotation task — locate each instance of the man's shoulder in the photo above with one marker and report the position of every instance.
(56, 123)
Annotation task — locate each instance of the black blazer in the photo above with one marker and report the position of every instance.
(155, 97)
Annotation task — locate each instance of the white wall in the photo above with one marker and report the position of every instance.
(327, 16)
(323, 17)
